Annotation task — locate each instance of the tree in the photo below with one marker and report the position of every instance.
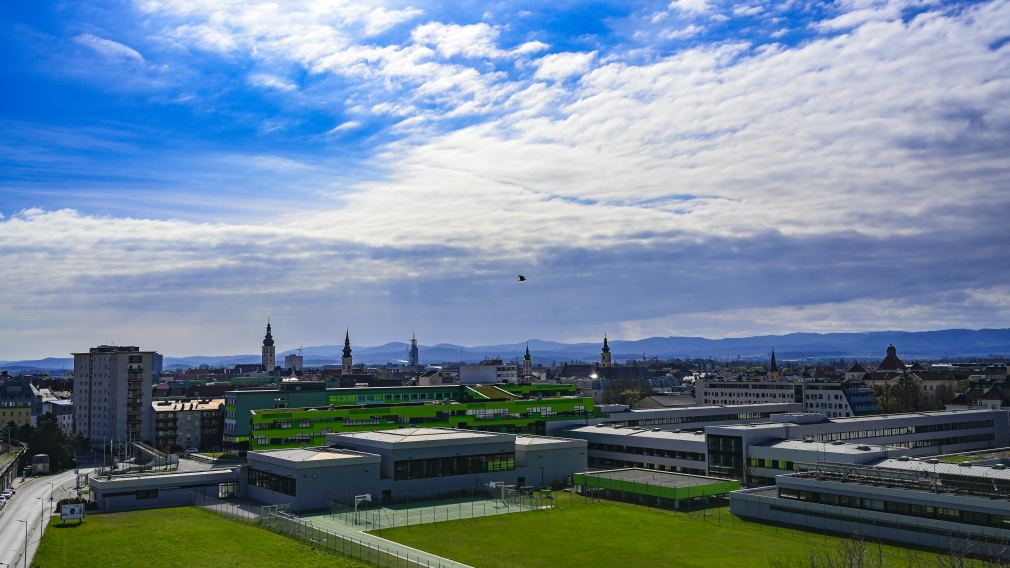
(47, 438)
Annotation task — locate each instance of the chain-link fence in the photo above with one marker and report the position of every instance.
(368, 549)
(370, 515)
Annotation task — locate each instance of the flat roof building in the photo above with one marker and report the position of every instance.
(960, 507)
(394, 465)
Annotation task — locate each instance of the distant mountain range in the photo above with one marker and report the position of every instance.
(870, 346)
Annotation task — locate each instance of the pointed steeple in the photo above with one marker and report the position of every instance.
(774, 366)
(268, 340)
(527, 356)
(605, 358)
(347, 343)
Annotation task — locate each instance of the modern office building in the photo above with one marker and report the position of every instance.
(646, 448)
(489, 371)
(112, 394)
(411, 463)
(698, 416)
(911, 434)
(294, 362)
(831, 398)
(185, 424)
(756, 452)
(302, 413)
(962, 507)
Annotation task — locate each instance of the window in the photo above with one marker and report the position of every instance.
(456, 465)
(271, 481)
(147, 494)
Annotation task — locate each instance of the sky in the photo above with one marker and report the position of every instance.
(173, 172)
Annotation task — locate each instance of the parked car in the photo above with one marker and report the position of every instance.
(2, 502)
(7, 494)
(193, 451)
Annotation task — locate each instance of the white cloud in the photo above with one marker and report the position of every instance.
(269, 81)
(745, 10)
(344, 126)
(108, 48)
(687, 31)
(690, 6)
(560, 66)
(477, 40)
(530, 47)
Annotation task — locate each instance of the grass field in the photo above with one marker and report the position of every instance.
(613, 535)
(184, 537)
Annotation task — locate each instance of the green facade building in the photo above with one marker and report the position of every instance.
(301, 414)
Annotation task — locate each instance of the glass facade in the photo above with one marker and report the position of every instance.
(456, 465)
(725, 456)
(271, 481)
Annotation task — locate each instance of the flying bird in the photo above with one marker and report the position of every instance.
(522, 278)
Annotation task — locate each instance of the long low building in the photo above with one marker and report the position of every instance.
(756, 452)
(131, 492)
(410, 463)
(959, 507)
(647, 448)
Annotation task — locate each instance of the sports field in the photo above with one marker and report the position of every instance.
(179, 537)
(372, 517)
(607, 534)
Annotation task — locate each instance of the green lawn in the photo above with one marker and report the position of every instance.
(617, 535)
(184, 537)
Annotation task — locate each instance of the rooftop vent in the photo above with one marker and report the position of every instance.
(903, 459)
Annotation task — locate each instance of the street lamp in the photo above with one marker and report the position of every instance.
(42, 513)
(26, 542)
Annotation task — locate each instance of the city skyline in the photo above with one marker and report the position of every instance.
(683, 168)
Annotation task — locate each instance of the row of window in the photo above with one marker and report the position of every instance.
(692, 419)
(271, 481)
(478, 414)
(455, 465)
(609, 463)
(679, 455)
(903, 430)
(898, 508)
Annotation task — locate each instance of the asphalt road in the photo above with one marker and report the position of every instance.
(26, 505)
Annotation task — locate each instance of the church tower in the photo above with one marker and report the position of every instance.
(347, 362)
(527, 363)
(605, 360)
(414, 359)
(269, 359)
(773, 368)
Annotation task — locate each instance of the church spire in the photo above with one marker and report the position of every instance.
(268, 355)
(268, 340)
(773, 368)
(527, 356)
(347, 362)
(605, 357)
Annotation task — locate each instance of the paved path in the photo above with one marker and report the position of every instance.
(420, 557)
(31, 503)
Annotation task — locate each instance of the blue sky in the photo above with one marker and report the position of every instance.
(173, 171)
